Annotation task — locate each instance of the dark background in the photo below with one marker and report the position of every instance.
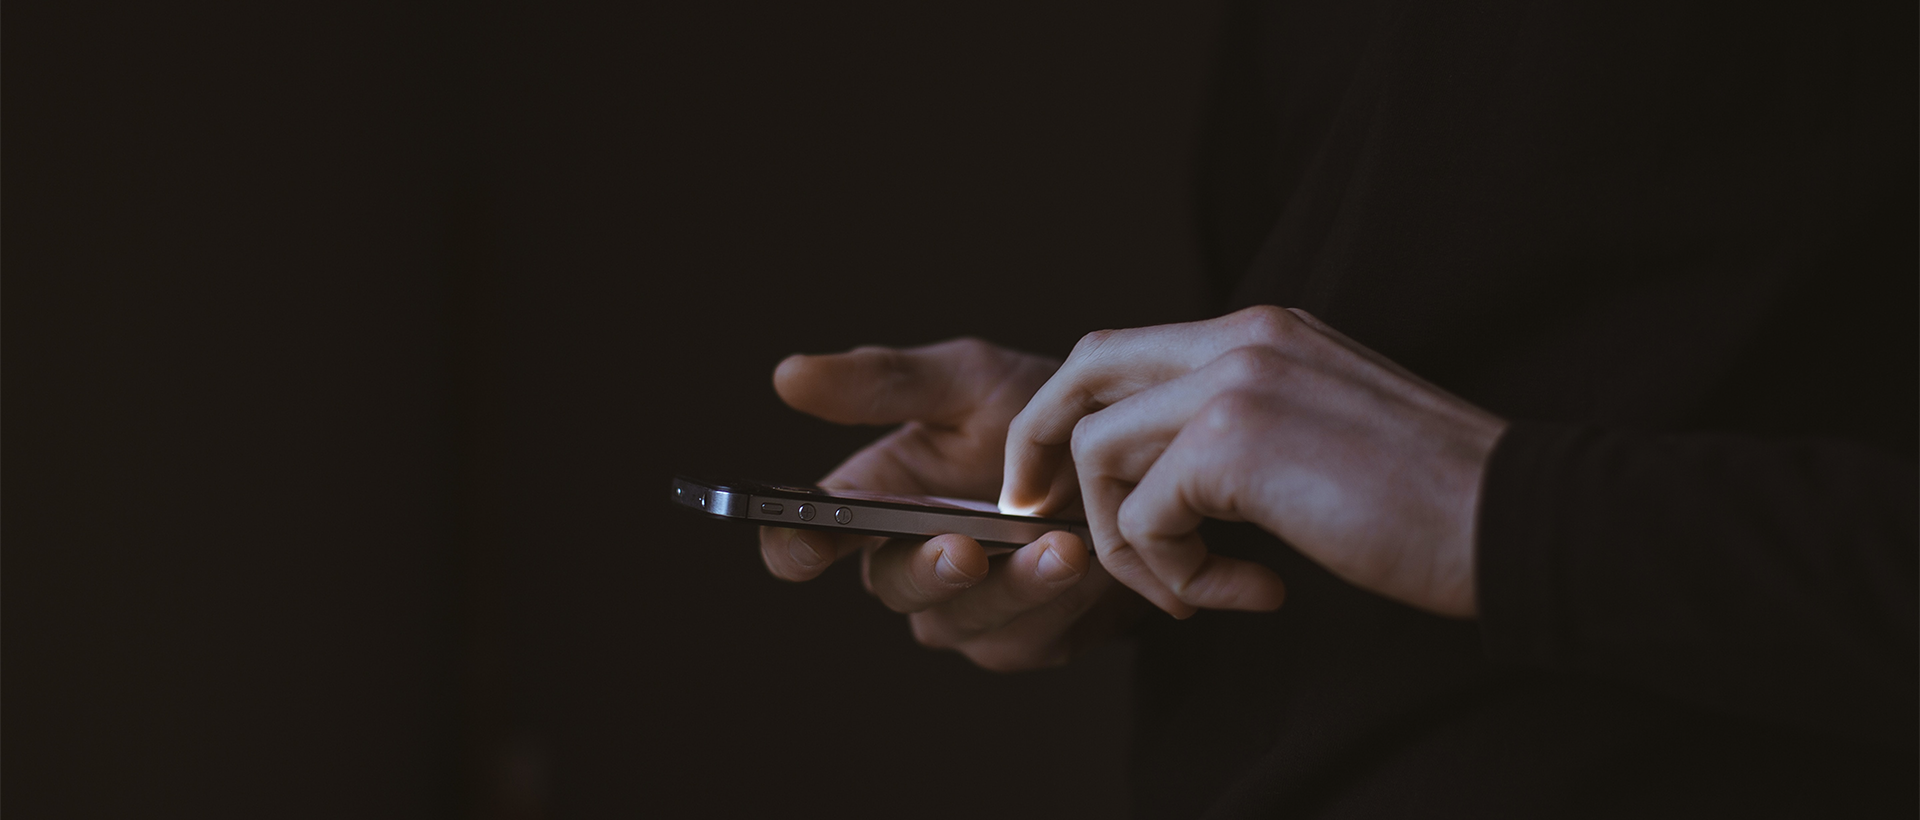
(348, 352)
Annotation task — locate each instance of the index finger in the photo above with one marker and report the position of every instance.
(883, 385)
(1104, 368)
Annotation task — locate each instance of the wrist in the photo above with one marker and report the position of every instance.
(1455, 583)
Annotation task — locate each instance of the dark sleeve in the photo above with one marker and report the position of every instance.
(1770, 579)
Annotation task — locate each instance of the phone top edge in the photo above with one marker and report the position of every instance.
(709, 498)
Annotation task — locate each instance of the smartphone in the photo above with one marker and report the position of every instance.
(869, 513)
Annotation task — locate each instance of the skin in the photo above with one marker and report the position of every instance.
(1264, 415)
(1033, 607)
(1268, 416)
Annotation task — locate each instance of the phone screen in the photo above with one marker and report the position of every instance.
(895, 498)
(867, 511)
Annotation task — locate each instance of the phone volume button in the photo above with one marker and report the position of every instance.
(805, 511)
(843, 515)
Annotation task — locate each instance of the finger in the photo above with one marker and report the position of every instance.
(1102, 497)
(800, 555)
(1106, 367)
(910, 576)
(1124, 563)
(880, 385)
(1123, 441)
(898, 462)
(1194, 479)
(1030, 578)
(1087, 613)
(1103, 368)
(1115, 447)
(919, 460)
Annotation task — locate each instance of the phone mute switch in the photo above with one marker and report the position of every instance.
(770, 508)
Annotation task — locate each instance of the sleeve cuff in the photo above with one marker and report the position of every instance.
(1518, 573)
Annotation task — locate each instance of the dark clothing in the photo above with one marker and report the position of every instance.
(1676, 244)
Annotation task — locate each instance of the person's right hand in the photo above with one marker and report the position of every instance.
(1033, 607)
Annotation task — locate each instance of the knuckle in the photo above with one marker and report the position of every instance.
(1252, 364)
(1085, 440)
(1230, 412)
(1017, 425)
(1091, 343)
(887, 363)
(1132, 524)
(1265, 324)
(964, 353)
(1084, 399)
(972, 348)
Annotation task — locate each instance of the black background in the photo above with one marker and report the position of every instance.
(349, 351)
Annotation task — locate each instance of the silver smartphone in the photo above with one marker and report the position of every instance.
(869, 513)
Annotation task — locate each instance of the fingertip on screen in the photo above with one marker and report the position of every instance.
(1007, 506)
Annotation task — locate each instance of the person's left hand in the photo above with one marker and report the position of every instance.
(1269, 416)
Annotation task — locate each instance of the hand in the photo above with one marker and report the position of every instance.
(1264, 415)
(1033, 607)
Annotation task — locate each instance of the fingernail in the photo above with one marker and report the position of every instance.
(1054, 569)
(803, 553)
(950, 573)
